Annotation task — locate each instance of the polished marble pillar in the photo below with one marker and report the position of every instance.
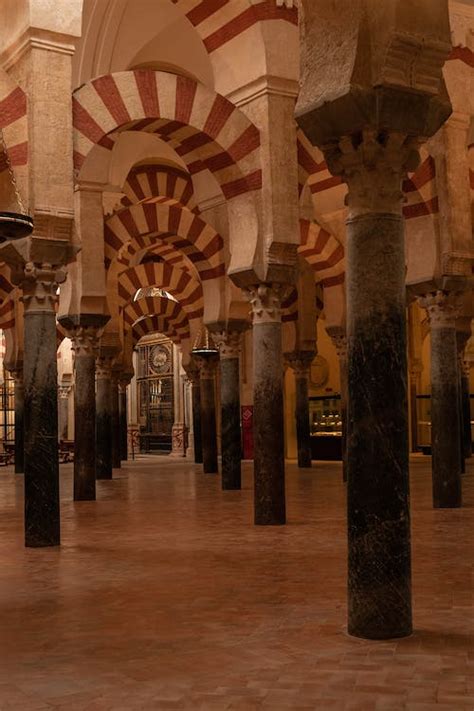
(229, 343)
(269, 438)
(466, 408)
(42, 517)
(104, 406)
(339, 340)
(196, 414)
(415, 370)
(123, 420)
(63, 411)
(207, 371)
(115, 421)
(300, 362)
(19, 396)
(443, 307)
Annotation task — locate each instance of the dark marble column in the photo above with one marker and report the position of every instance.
(207, 369)
(123, 420)
(228, 342)
(269, 437)
(339, 339)
(104, 418)
(300, 362)
(42, 518)
(443, 308)
(63, 411)
(84, 341)
(196, 402)
(19, 422)
(379, 559)
(466, 409)
(115, 422)
(415, 371)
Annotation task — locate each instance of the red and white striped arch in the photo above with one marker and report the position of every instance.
(185, 288)
(220, 21)
(7, 314)
(13, 123)
(157, 183)
(172, 224)
(323, 251)
(420, 189)
(204, 128)
(155, 324)
(157, 306)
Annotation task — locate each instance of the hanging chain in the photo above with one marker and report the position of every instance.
(3, 147)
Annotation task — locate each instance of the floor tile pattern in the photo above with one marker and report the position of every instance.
(165, 596)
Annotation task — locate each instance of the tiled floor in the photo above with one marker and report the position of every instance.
(165, 596)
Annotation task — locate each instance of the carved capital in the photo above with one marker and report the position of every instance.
(466, 368)
(266, 300)
(207, 366)
(85, 340)
(300, 362)
(373, 165)
(442, 308)
(103, 367)
(39, 283)
(228, 343)
(339, 341)
(64, 391)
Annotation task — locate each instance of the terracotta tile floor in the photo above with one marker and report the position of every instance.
(165, 596)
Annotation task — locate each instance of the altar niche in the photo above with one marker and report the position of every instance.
(155, 394)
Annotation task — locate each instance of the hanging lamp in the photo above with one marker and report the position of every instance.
(14, 222)
(203, 345)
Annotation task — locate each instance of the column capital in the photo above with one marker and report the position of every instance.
(466, 368)
(339, 341)
(39, 283)
(373, 165)
(207, 366)
(84, 340)
(229, 343)
(17, 375)
(64, 391)
(442, 307)
(266, 300)
(104, 367)
(300, 362)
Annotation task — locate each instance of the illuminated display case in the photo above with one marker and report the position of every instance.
(326, 427)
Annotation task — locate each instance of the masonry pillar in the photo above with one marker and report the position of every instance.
(115, 420)
(228, 342)
(377, 447)
(123, 420)
(442, 308)
(42, 518)
(207, 370)
(19, 421)
(340, 343)
(300, 362)
(178, 431)
(63, 412)
(104, 405)
(196, 413)
(269, 440)
(415, 370)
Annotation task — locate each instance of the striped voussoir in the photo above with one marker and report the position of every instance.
(6, 287)
(323, 251)
(159, 183)
(142, 225)
(421, 190)
(463, 54)
(184, 287)
(157, 306)
(155, 252)
(289, 307)
(13, 123)
(219, 21)
(206, 130)
(7, 314)
(156, 324)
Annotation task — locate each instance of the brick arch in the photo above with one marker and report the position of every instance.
(166, 252)
(157, 306)
(155, 324)
(219, 22)
(205, 129)
(323, 251)
(172, 224)
(184, 287)
(7, 314)
(156, 183)
(13, 123)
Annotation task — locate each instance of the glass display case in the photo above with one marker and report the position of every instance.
(326, 427)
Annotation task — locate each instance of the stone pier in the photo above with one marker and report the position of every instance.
(300, 362)
(104, 407)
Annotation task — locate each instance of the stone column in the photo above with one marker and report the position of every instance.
(207, 371)
(415, 372)
(269, 438)
(115, 421)
(442, 308)
(63, 414)
(42, 519)
(19, 421)
(196, 407)
(188, 413)
(373, 166)
(340, 344)
(228, 343)
(104, 417)
(466, 408)
(123, 420)
(178, 431)
(300, 362)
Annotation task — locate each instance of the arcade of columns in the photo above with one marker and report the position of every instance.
(144, 171)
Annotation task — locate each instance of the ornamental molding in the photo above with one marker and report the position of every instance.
(266, 300)
(442, 308)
